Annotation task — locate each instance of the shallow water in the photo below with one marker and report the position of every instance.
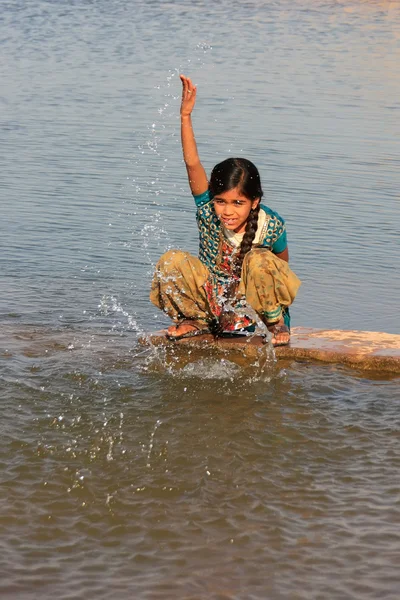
(139, 472)
(122, 476)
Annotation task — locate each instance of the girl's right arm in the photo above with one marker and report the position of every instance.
(197, 176)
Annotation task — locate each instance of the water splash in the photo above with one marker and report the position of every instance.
(110, 305)
(209, 368)
(154, 234)
(204, 46)
(151, 356)
(151, 442)
(111, 442)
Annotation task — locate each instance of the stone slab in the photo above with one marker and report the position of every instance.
(362, 349)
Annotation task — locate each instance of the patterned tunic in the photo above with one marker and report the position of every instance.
(217, 253)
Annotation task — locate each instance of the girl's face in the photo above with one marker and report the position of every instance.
(233, 209)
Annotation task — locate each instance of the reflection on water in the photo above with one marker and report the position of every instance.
(140, 472)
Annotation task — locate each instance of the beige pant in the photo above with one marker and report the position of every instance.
(267, 283)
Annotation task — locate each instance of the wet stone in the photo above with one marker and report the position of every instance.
(361, 349)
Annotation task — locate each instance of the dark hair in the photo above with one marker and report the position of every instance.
(243, 174)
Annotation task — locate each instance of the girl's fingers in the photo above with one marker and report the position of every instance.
(184, 86)
(184, 80)
(191, 87)
(188, 91)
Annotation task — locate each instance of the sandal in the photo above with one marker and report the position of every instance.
(199, 329)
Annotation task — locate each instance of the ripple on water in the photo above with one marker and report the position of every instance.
(196, 478)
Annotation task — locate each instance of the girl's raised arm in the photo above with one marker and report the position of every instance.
(197, 176)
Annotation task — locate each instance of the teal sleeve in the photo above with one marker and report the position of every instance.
(203, 198)
(281, 243)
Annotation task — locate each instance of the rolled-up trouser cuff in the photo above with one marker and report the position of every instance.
(273, 316)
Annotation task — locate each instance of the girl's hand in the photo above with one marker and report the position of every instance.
(188, 96)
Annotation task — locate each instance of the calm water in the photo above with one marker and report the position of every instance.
(128, 472)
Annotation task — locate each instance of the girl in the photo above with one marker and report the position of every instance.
(243, 257)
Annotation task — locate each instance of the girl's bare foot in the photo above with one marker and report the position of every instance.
(280, 333)
(186, 328)
(180, 328)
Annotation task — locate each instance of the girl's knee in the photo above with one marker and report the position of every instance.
(257, 258)
(172, 258)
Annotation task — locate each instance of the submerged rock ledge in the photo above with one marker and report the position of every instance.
(362, 349)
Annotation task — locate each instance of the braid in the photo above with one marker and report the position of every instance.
(228, 316)
(247, 241)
